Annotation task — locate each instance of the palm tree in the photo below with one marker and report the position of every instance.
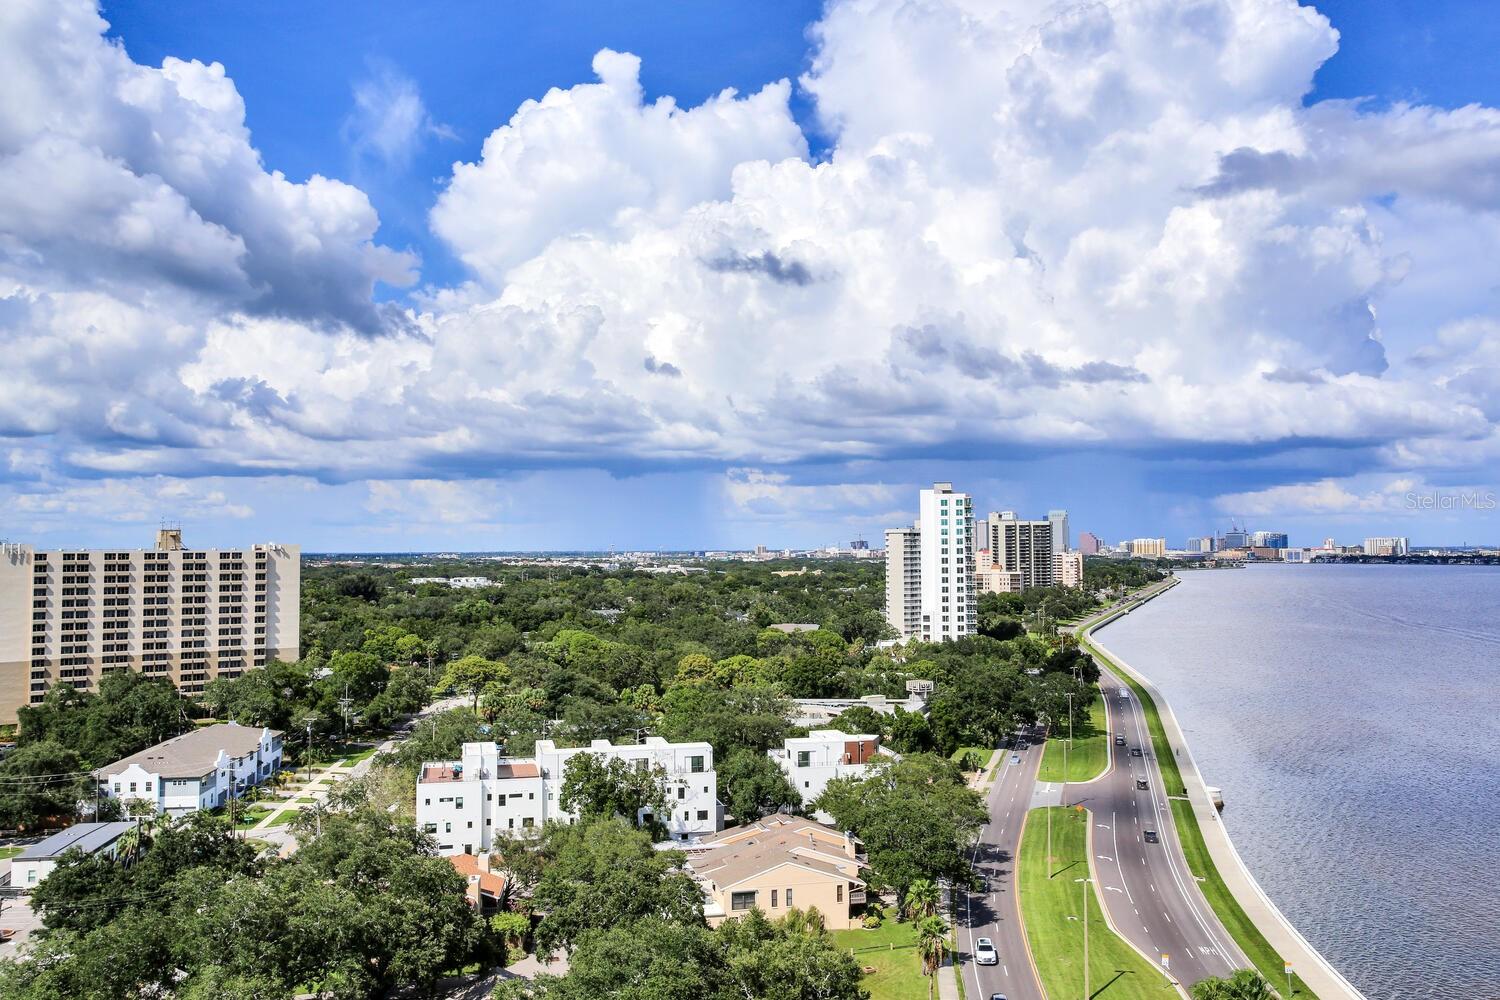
(1245, 984)
(932, 945)
(921, 899)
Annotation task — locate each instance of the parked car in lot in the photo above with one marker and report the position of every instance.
(1150, 836)
(985, 953)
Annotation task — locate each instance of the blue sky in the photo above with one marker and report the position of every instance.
(939, 253)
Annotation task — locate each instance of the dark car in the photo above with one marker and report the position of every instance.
(1119, 741)
(1141, 783)
(1135, 751)
(997, 996)
(1150, 836)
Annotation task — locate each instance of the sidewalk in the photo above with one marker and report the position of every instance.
(1322, 978)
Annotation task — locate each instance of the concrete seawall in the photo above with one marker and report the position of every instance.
(1321, 977)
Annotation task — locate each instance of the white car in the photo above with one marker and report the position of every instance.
(985, 953)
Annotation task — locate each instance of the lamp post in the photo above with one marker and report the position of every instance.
(1086, 882)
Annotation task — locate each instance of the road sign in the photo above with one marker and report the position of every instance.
(1288, 968)
(1166, 960)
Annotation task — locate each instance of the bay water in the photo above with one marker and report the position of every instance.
(1351, 715)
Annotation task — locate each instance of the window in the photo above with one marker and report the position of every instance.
(703, 814)
(788, 895)
(838, 890)
(773, 899)
(682, 791)
(447, 827)
(742, 900)
(695, 764)
(804, 758)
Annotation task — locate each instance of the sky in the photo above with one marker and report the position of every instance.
(495, 276)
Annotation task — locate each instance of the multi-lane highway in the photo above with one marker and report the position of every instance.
(1152, 897)
(993, 912)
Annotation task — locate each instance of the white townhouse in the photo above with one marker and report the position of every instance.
(201, 769)
(812, 761)
(464, 804)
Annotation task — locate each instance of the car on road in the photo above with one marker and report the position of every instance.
(1135, 751)
(1150, 837)
(997, 996)
(1141, 783)
(1015, 758)
(985, 953)
(1119, 741)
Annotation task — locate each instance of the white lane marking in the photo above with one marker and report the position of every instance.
(1113, 889)
(1104, 826)
(1104, 857)
(1138, 718)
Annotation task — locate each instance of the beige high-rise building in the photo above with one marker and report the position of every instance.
(1067, 569)
(1148, 547)
(190, 615)
(1023, 547)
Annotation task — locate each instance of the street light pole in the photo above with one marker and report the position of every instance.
(1085, 882)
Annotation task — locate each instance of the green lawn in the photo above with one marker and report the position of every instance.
(353, 759)
(1239, 925)
(284, 817)
(983, 753)
(1089, 754)
(10, 852)
(891, 950)
(251, 816)
(1052, 908)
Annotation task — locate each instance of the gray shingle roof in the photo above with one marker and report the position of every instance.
(193, 754)
(87, 837)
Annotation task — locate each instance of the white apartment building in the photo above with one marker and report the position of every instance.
(190, 615)
(1067, 569)
(464, 804)
(1060, 537)
(903, 580)
(946, 523)
(929, 569)
(1024, 547)
(1390, 546)
(810, 762)
(202, 769)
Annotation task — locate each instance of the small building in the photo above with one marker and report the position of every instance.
(36, 862)
(810, 762)
(202, 769)
(486, 890)
(778, 863)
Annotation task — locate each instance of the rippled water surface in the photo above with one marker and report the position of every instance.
(1352, 716)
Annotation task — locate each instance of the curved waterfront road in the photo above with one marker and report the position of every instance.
(994, 912)
(1151, 896)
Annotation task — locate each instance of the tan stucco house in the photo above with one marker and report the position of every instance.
(779, 863)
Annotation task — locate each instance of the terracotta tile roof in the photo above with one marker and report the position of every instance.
(489, 883)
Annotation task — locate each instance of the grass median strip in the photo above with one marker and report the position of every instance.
(1089, 754)
(1053, 908)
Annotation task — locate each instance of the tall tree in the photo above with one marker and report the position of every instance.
(596, 788)
(752, 786)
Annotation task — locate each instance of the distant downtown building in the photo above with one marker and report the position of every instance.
(1392, 546)
(930, 569)
(1089, 543)
(1148, 547)
(1268, 539)
(1059, 521)
(465, 804)
(190, 615)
